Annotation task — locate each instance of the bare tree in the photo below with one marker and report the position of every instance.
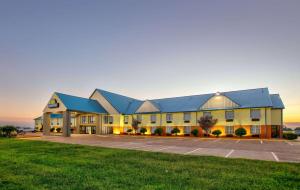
(207, 122)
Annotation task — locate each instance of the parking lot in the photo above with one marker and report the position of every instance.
(272, 150)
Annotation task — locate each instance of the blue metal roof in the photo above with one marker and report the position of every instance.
(252, 98)
(276, 101)
(74, 103)
(180, 104)
(122, 104)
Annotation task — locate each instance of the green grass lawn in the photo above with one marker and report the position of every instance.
(44, 165)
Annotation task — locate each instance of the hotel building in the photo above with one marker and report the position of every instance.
(256, 110)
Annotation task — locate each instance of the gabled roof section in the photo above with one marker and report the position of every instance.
(74, 103)
(182, 104)
(148, 106)
(219, 101)
(252, 98)
(276, 101)
(122, 104)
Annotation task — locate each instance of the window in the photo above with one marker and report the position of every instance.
(91, 119)
(229, 130)
(187, 129)
(229, 115)
(255, 130)
(110, 119)
(187, 117)
(83, 119)
(255, 114)
(205, 114)
(153, 118)
(139, 119)
(125, 129)
(106, 119)
(126, 119)
(168, 130)
(152, 130)
(169, 118)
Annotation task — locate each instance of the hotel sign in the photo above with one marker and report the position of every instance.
(53, 104)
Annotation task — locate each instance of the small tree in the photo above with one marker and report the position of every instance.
(52, 129)
(158, 131)
(58, 129)
(206, 123)
(175, 131)
(143, 130)
(195, 132)
(135, 124)
(8, 130)
(240, 132)
(217, 133)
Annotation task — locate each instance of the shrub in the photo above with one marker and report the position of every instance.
(8, 131)
(143, 130)
(290, 136)
(240, 132)
(158, 131)
(217, 133)
(58, 129)
(41, 129)
(129, 130)
(52, 129)
(175, 131)
(195, 132)
(229, 135)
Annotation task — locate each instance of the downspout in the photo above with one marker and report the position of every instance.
(266, 122)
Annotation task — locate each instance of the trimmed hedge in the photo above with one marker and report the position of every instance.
(195, 132)
(290, 136)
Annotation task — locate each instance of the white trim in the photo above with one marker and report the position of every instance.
(147, 107)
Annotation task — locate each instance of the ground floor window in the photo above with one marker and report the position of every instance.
(87, 130)
(187, 129)
(229, 130)
(255, 130)
(168, 130)
(153, 130)
(125, 130)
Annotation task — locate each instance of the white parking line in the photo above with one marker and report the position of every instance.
(192, 151)
(227, 155)
(237, 141)
(142, 146)
(217, 140)
(275, 157)
(163, 148)
(288, 143)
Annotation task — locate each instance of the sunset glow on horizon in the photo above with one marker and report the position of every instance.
(145, 50)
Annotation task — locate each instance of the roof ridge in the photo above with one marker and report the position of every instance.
(246, 90)
(71, 95)
(181, 96)
(118, 94)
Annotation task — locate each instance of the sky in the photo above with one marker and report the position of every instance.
(146, 49)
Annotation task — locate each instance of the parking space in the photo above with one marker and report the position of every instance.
(271, 150)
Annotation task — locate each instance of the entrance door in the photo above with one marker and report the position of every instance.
(275, 131)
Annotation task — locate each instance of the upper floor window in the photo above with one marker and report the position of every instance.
(153, 118)
(110, 119)
(91, 119)
(169, 118)
(83, 119)
(255, 114)
(255, 130)
(139, 119)
(126, 119)
(105, 119)
(187, 117)
(207, 113)
(229, 115)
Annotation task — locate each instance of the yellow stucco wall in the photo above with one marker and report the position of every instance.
(276, 116)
